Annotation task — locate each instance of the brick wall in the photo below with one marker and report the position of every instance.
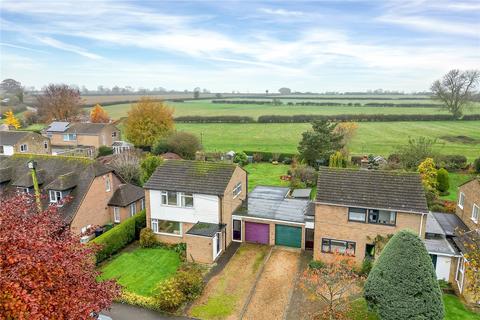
(35, 144)
(199, 249)
(229, 204)
(272, 229)
(472, 196)
(332, 222)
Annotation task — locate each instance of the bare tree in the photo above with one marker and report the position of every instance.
(127, 165)
(456, 90)
(58, 102)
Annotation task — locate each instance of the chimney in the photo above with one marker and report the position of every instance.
(364, 163)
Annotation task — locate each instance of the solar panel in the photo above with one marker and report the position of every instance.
(58, 126)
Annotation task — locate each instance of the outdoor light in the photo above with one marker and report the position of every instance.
(32, 164)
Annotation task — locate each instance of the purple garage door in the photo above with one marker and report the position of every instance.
(257, 232)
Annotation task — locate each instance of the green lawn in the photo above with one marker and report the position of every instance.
(380, 138)
(454, 310)
(456, 179)
(206, 108)
(266, 174)
(140, 270)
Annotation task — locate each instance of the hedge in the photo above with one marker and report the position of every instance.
(402, 283)
(361, 117)
(266, 156)
(120, 236)
(215, 119)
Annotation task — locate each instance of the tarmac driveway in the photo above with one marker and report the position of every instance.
(274, 287)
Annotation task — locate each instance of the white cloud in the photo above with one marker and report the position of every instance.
(68, 47)
(281, 12)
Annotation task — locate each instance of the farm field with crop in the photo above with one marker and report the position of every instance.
(372, 137)
(207, 108)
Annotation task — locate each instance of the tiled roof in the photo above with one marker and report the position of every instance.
(10, 138)
(205, 229)
(63, 182)
(26, 180)
(5, 174)
(126, 194)
(450, 223)
(49, 169)
(77, 127)
(191, 176)
(371, 189)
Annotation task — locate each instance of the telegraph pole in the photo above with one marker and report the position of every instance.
(32, 165)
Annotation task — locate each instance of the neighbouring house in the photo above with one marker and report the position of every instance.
(78, 134)
(192, 202)
(121, 146)
(126, 201)
(86, 192)
(13, 142)
(271, 216)
(353, 207)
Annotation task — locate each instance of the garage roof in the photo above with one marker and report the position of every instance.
(206, 229)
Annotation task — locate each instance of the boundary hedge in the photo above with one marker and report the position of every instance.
(363, 118)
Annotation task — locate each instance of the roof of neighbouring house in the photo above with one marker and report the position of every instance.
(126, 194)
(450, 223)
(192, 176)
(77, 127)
(269, 202)
(476, 178)
(376, 189)
(302, 193)
(205, 229)
(170, 156)
(433, 226)
(5, 174)
(10, 138)
(440, 246)
(467, 241)
(77, 173)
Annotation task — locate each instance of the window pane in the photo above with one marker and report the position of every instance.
(386, 217)
(326, 245)
(167, 226)
(164, 198)
(338, 246)
(373, 216)
(357, 214)
(172, 198)
(350, 248)
(188, 200)
(154, 225)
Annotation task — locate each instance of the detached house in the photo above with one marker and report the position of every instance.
(193, 202)
(13, 142)
(85, 191)
(352, 207)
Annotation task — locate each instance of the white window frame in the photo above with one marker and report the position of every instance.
(114, 134)
(165, 194)
(116, 215)
(155, 228)
(461, 200)
(108, 185)
(133, 209)
(475, 213)
(53, 195)
(69, 137)
(184, 195)
(23, 190)
(218, 237)
(237, 190)
(23, 147)
(84, 229)
(460, 275)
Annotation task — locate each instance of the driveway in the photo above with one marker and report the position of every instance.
(273, 290)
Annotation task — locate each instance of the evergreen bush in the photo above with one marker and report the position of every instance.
(443, 183)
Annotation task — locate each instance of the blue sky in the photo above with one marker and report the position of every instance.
(249, 46)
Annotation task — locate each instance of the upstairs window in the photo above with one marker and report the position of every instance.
(461, 200)
(187, 200)
(23, 148)
(357, 214)
(237, 190)
(108, 186)
(55, 196)
(169, 198)
(69, 137)
(382, 217)
(475, 213)
(23, 190)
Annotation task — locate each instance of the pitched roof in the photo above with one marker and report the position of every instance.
(77, 127)
(63, 182)
(371, 189)
(25, 180)
(10, 138)
(49, 169)
(477, 178)
(5, 174)
(450, 223)
(192, 176)
(126, 194)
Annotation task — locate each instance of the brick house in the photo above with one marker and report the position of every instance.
(192, 202)
(353, 206)
(75, 134)
(89, 187)
(13, 142)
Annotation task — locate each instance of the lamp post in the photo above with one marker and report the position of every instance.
(32, 165)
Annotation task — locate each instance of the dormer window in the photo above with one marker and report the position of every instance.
(23, 190)
(55, 196)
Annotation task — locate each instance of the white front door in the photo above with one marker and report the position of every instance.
(217, 244)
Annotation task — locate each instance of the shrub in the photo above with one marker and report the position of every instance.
(184, 144)
(190, 282)
(148, 167)
(367, 265)
(257, 157)
(169, 296)
(104, 151)
(214, 119)
(287, 160)
(416, 151)
(316, 264)
(147, 238)
(30, 117)
(241, 158)
(476, 165)
(161, 146)
(119, 236)
(443, 183)
(402, 284)
(138, 300)
(266, 156)
(452, 162)
(305, 174)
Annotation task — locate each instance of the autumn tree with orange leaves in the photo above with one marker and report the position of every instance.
(46, 273)
(99, 115)
(332, 283)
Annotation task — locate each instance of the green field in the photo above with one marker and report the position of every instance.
(372, 137)
(206, 108)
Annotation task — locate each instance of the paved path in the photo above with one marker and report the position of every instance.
(274, 287)
(121, 311)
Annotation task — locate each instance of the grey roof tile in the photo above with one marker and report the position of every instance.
(450, 223)
(126, 194)
(371, 189)
(191, 177)
(10, 138)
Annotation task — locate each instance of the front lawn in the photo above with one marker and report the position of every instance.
(454, 310)
(266, 174)
(140, 270)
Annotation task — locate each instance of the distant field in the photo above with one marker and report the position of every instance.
(372, 137)
(206, 108)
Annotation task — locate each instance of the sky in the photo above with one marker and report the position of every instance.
(246, 46)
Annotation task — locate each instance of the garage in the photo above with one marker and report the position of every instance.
(257, 232)
(288, 236)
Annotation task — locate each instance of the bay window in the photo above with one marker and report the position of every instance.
(338, 246)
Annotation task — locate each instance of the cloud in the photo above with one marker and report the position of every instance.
(20, 47)
(281, 12)
(68, 47)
